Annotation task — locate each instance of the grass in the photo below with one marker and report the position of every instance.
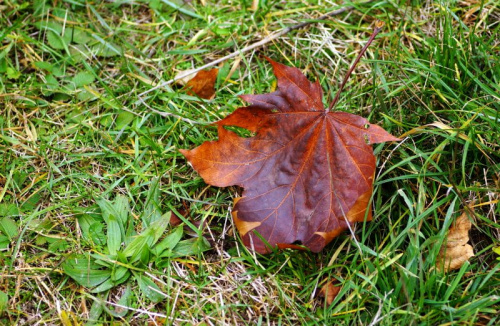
(86, 164)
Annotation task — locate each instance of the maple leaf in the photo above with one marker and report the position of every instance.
(306, 172)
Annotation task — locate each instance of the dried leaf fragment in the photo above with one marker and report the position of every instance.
(329, 292)
(184, 76)
(456, 250)
(203, 84)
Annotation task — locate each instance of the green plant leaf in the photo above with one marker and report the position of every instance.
(104, 286)
(4, 299)
(105, 49)
(96, 231)
(8, 210)
(114, 235)
(136, 246)
(144, 241)
(49, 25)
(497, 251)
(149, 288)
(122, 208)
(40, 240)
(80, 52)
(8, 227)
(169, 242)
(123, 119)
(115, 215)
(125, 301)
(13, 73)
(152, 210)
(85, 95)
(57, 245)
(51, 82)
(31, 203)
(85, 271)
(81, 36)
(91, 225)
(118, 273)
(145, 256)
(4, 242)
(83, 78)
(57, 41)
(3, 65)
(181, 9)
(95, 311)
(44, 65)
(190, 247)
(124, 278)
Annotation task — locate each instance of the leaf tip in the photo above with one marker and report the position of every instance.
(185, 152)
(244, 226)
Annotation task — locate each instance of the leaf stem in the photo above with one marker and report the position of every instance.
(378, 27)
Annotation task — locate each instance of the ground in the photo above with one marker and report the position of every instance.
(91, 173)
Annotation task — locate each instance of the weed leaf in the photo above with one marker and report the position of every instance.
(144, 241)
(8, 227)
(85, 271)
(4, 299)
(149, 288)
(83, 78)
(169, 242)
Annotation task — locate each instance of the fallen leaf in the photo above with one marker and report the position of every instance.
(255, 5)
(306, 172)
(184, 76)
(329, 292)
(456, 250)
(203, 84)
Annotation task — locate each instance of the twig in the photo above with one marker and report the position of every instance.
(167, 114)
(376, 319)
(378, 26)
(265, 40)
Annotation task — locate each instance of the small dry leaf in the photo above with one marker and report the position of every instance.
(187, 77)
(203, 84)
(329, 292)
(456, 251)
(255, 5)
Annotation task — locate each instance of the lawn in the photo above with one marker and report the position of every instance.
(103, 221)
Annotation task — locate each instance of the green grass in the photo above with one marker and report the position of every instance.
(86, 164)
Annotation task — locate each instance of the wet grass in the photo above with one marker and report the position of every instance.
(88, 165)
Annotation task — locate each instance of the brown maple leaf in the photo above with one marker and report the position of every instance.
(306, 173)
